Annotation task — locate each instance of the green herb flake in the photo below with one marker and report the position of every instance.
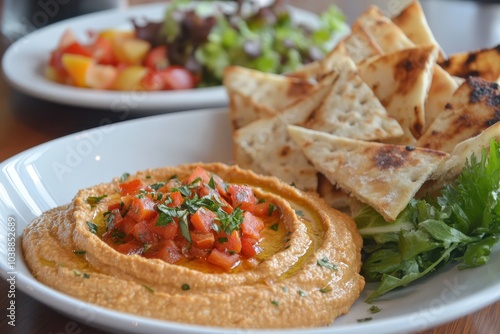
(325, 289)
(325, 262)
(211, 183)
(284, 289)
(275, 302)
(302, 293)
(79, 252)
(365, 319)
(274, 227)
(271, 209)
(85, 275)
(124, 177)
(92, 227)
(185, 287)
(374, 309)
(299, 213)
(222, 240)
(94, 200)
(148, 288)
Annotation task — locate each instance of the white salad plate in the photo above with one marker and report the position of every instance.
(25, 60)
(50, 174)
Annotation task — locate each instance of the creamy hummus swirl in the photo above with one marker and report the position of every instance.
(309, 282)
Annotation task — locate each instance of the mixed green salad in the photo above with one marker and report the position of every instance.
(207, 36)
(461, 225)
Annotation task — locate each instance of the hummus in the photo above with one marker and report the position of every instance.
(306, 276)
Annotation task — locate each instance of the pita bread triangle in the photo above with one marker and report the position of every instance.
(390, 38)
(359, 45)
(265, 147)
(243, 110)
(483, 63)
(351, 109)
(382, 31)
(462, 152)
(264, 88)
(383, 176)
(401, 81)
(413, 23)
(474, 107)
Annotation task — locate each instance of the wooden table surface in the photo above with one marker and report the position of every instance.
(26, 122)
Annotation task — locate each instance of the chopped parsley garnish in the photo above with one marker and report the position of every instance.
(374, 309)
(299, 213)
(79, 252)
(157, 185)
(230, 222)
(85, 275)
(211, 183)
(275, 302)
(185, 287)
(302, 293)
(164, 219)
(222, 240)
(285, 289)
(325, 262)
(148, 288)
(272, 208)
(365, 319)
(94, 200)
(124, 177)
(92, 227)
(274, 226)
(325, 289)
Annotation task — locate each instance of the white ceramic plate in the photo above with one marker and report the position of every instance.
(50, 175)
(24, 61)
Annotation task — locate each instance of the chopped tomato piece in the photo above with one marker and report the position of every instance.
(230, 243)
(177, 77)
(171, 184)
(223, 259)
(265, 209)
(142, 209)
(251, 225)
(131, 247)
(152, 81)
(114, 206)
(177, 199)
(169, 252)
(198, 173)
(76, 48)
(242, 196)
(126, 224)
(202, 240)
(168, 231)
(249, 246)
(102, 51)
(157, 58)
(199, 253)
(203, 220)
(220, 185)
(131, 187)
(143, 233)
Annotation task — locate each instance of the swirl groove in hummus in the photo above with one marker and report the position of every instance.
(309, 282)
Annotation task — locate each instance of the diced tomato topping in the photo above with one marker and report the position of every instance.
(131, 187)
(177, 199)
(102, 51)
(203, 220)
(169, 252)
(142, 209)
(158, 221)
(143, 233)
(223, 259)
(198, 173)
(126, 224)
(168, 231)
(251, 225)
(229, 243)
(249, 246)
(202, 240)
(242, 196)
(131, 247)
(152, 81)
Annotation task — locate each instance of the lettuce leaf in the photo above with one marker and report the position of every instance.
(462, 225)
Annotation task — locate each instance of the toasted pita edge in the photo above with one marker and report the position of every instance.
(399, 195)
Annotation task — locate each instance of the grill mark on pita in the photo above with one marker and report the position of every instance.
(299, 88)
(482, 90)
(408, 69)
(388, 157)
